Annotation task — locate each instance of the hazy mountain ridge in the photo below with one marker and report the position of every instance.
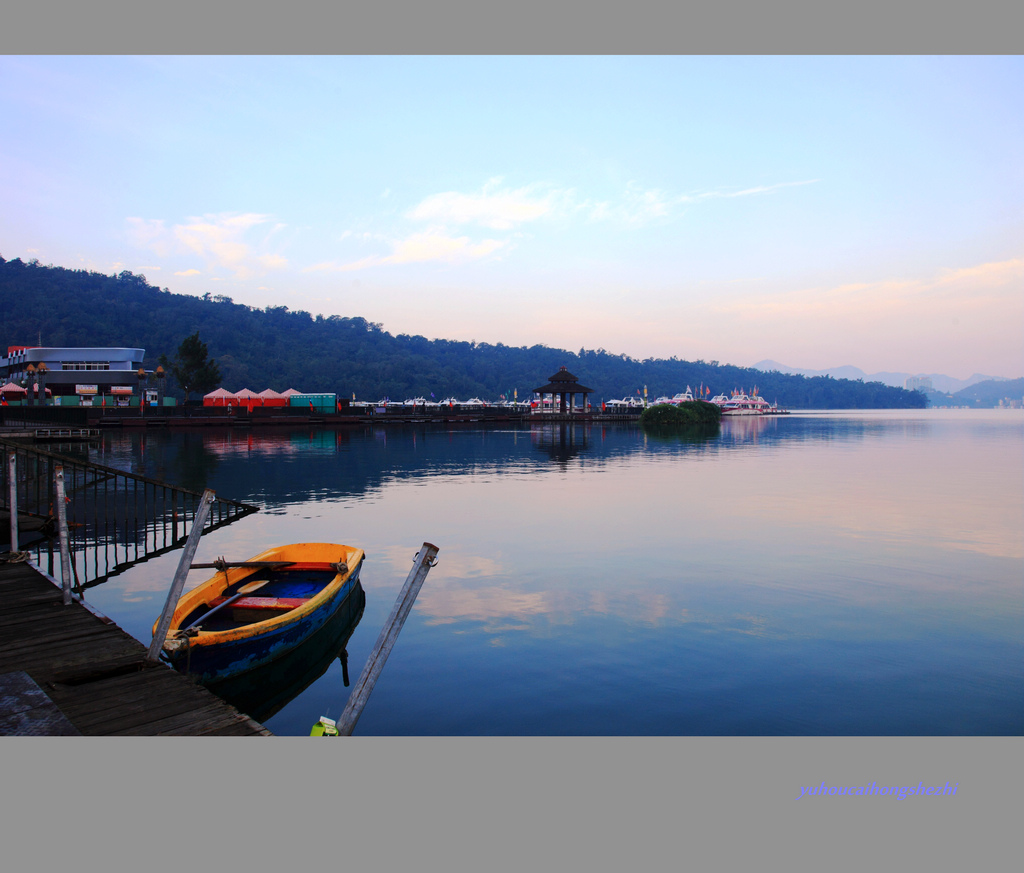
(278, 348)
(940, 382)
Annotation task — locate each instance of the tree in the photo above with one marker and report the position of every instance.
(192, 367)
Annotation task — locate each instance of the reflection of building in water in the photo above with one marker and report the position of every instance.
(563, 441)
(747, 427)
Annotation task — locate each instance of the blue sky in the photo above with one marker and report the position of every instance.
(815, 211)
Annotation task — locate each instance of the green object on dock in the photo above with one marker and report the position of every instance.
(326, 727)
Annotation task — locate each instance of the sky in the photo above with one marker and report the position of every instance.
(814, 211)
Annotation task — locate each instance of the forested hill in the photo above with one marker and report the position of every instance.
(279, 349)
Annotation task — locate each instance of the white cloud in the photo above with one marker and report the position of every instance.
(497, 208)
(220, 240)
(745, 192)
(641, 205)
(430, 245)
(503, 208)
(149, 234)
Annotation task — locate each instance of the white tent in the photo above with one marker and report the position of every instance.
(220, 397)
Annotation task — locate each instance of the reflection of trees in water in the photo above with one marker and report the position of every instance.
(193, 466)
(279, 467)
(678, 434)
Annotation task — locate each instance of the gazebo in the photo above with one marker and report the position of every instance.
(563, 384)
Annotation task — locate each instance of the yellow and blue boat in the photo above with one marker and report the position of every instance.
(250, 613)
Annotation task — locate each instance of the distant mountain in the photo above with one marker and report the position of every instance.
(940, 382)
(982, 394)
(350, 356)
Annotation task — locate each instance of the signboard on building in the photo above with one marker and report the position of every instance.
(87, 389)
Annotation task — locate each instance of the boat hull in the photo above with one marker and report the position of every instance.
(265, 690)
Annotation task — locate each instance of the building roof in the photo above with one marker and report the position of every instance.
(563, 382)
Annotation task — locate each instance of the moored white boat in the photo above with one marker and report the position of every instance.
(740, 403)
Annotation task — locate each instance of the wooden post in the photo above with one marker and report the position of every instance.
(385, 642)
(182, 572)
(12, 501)
(62, 530)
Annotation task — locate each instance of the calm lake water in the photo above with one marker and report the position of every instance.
(847, 573)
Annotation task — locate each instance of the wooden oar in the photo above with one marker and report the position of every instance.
(244, 590)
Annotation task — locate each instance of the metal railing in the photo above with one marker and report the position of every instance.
(115, 519)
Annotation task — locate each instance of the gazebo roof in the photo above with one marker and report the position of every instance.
(270, 394)
(11, 388)
(245, 394)
(220, 392)
(563, 382)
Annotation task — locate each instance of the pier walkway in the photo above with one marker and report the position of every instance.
(68, 670)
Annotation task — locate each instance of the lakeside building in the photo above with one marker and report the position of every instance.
(73, 372)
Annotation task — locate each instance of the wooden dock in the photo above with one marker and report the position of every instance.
(68, 670)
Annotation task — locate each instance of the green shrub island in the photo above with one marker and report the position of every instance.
(687, 413)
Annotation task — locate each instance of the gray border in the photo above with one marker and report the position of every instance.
(504, 803)
(509, 803)
(537, 27)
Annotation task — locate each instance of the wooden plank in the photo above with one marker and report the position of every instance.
(196, 721)
(103, 693)
(133, 716)
(48, 616)
(130, 707)
(58, 634)
(241, 726)
(72, 651)
(102, 667)
(238, 730)
(43, 667)
(89, 669)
